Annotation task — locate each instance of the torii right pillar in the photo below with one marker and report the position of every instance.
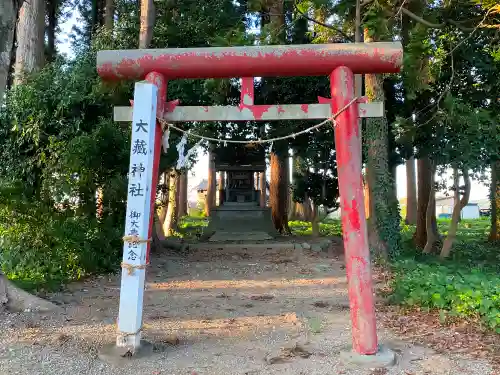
(365, 348)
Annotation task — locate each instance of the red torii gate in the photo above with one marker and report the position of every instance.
(339, 61)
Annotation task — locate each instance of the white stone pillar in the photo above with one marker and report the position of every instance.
(137, 223)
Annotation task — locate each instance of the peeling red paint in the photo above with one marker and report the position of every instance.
(247, 91)
(250, 61)
(304, 107)
(161, 83)
(205, 108)
(257, 110)
(170, 106)
(280, 109)
(348, 153)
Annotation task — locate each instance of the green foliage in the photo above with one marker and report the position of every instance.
(465, 286)
(323, 190)
(461, 292)
(328, 228)
(59, 146)
(41, 248)
(376, 21)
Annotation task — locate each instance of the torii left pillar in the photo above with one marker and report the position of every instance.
(149, 102)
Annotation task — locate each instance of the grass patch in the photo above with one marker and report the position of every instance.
(465, 286)
(327, 228)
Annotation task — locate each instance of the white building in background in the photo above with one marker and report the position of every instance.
(444, 208)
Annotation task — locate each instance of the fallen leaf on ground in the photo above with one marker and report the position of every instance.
(286, 354)
(320, 304)
(262, 297)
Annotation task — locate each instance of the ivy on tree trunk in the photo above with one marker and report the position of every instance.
(384, 236)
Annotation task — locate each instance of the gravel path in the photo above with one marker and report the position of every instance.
(214, 314)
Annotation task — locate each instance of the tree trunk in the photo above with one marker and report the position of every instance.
(100, 203)
(384, 216)
(109, 17)
(456, 192)
(161, 212)
(278, 190)
(210, 200)
(411, 185)
(457, 209)
(146, 23)
(170, 225)
(424, 188)
(9, 10)
(182, 194)
(30, 39)
(411, 192)
(292, 212)
(164, 196)
(222, 184)
(263, 189)
(430, 215)
(286, 183)
(51, 29)
(495, 202)
(315, 221)
(302, 210)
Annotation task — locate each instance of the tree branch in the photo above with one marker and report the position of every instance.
(424, 21)
(338, 31)
(421, 20)
(431, 25)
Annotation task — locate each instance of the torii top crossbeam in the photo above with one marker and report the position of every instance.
(253, 61)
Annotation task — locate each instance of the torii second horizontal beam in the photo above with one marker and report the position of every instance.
(253, 112)
(251, 61)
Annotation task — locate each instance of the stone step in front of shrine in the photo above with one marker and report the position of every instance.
(223, 236)
(241, 222)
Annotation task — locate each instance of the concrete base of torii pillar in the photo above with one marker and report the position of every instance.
(118, 356)
(384, 357)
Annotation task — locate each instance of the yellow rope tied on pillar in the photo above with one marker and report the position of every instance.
(135, 239)
(132, 267)
(128, 334)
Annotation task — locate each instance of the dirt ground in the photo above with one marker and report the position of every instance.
(215, 313)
